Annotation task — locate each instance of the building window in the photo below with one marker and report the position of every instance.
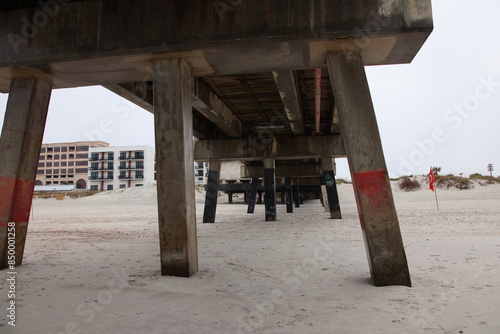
(41, 164)
(56, 156)
(94, 157)
(109, 187)
(64, 163)
(64, 149)
(71, 163)
(71, 156)
(64, 157)
(72, 149)
(42, 150)
(94, 175)
(70, 175)
(57, 149)
(48, 183)
(56, 171)
(56, 164)
(42, 157)
(122, 175)
(81, 170)
(123, 186)
(71, 170)
(82, 148)
(110, 176)
(94, 187)
(139, 155)
(48, 171)
(49, 164)
(123, 155)
(111, 156)
(139, 175)
(82, 163)
(48, 176)
(55, 176)
(63, 176)
(139, 185)
(56, 182)
(63, 171)
(50, 149)
(200, 172)
(123, 165)
(49, 157)
(82, 156)
(39, 172)
(111, 165)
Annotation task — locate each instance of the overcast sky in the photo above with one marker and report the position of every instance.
(441, 110)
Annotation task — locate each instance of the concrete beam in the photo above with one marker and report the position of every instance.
(377, 212)
(175, 168)
(301, 170)
(212, 107)
(20, 144)
(204, 101)
(106, 43)
(287, 88)
(282, 148)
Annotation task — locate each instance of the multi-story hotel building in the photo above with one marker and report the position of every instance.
(119, 167)
(65, 163)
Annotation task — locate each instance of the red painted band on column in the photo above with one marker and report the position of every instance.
(23, 197)
(373, 192)
(7, 187)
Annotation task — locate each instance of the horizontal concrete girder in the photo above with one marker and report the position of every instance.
(297, 170)
(287, 87)
(281, 148)
(103, 42)
(204, 101)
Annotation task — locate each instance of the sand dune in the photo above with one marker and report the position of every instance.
(92, 266)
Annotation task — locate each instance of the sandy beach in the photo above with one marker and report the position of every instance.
(92, 266)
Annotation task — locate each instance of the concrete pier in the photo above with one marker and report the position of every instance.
(253, 195)
(212, 192)
(331, 188)
(20, 144)
(270, 189)
(289, 195)
(377, 212)
(175, 167)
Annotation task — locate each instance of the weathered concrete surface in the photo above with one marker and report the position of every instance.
(282, 148)
(377, 213)
(175, 168)
(20, 144)
(82, 43)
(212, 192)
(287, 86)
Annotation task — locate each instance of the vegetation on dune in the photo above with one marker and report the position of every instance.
(409, 183)
(452, 181)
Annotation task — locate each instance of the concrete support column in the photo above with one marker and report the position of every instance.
(331, 188)
(379, 221)
(175, 167)
(270, 189)
(22, 135)
(212, 192)
(253, 195)
(296, 196)
(288, 191)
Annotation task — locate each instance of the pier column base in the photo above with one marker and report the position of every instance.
(270, 189)
(331, 188)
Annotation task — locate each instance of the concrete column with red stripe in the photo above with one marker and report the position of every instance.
(377, 212)
(20, 144)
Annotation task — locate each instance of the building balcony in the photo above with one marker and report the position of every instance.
(139, 157)
(99, 178)
(131, 177)
(106, 168)
(131, 167)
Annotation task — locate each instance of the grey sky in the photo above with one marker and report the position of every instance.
(441, 110)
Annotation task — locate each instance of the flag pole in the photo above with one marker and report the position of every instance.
(436, 194)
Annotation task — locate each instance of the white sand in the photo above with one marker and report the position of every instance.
(301, 274)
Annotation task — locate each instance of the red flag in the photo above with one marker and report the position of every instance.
(432, 179)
